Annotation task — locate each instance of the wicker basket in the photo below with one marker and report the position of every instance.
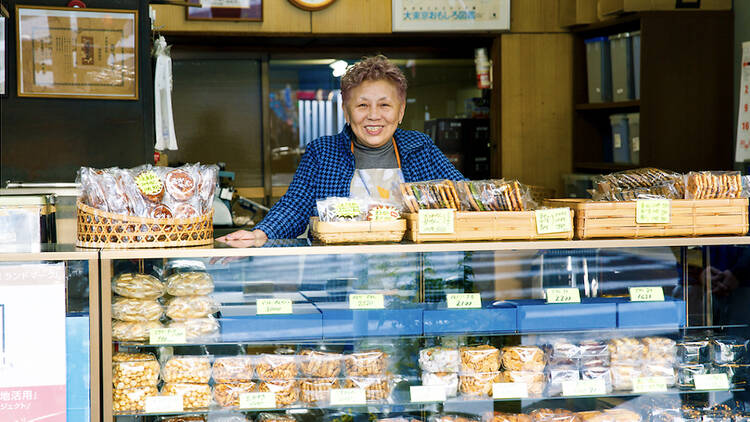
(358, 231)
(486, 225)
(700, 217)
(102, 229)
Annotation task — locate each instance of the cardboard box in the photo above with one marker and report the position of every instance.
(614, 7)
(576, 12)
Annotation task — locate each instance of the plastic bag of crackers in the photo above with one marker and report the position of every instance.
(475, 195)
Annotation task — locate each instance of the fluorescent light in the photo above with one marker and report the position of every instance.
(339, 68)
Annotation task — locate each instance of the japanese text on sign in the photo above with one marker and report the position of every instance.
(711, 382)
(348, 209)
(167, 336)
(649, 384)
(463, 300)
(563, 295)
(274, 306)
(436, 221)
(593, 387)
(366, 301)
(742, 151)
(348, 397)
(264, 400)
(656, 211)
(555, 220)
(646, 294)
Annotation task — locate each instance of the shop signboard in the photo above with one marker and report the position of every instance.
(742, 152)
(450, 15)
(32, 342)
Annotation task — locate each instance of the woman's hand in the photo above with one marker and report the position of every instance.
(244, 239)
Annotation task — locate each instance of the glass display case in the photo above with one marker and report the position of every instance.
(605, 330)
(49, 334)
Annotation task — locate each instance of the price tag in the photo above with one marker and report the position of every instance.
(348, 397)
(646, 294)
(427, 393)
(265, 400)
(711, 382)
(167, 336)
(510, 390)
(436, 221)
(555, 220)
(595, 387)
(274, 306)
(464, 300)
(563, 295)
(655, 211)
(649, 384)
(366, 301)
(163, 404)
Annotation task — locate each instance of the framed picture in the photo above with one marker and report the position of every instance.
(228, 10)
(450, 15)
(77, 53)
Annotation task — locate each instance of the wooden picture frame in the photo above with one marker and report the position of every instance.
(77, 53)
(225, 10)
(312, 5)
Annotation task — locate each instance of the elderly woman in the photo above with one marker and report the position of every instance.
(374, 100)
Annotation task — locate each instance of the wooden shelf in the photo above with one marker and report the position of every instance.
(620, 105)
(610, 25)
(604, 167)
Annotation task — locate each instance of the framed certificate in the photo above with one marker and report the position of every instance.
(231, 10)
(77, 53)
(450, 15)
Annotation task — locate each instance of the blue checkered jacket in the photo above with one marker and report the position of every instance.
(327, 168)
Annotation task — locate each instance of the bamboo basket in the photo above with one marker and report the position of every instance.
(102, 229)
(486, 225)
(700, 217)
(357, 231)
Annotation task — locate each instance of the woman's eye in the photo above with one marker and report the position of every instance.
(385, 105)
(361, 105)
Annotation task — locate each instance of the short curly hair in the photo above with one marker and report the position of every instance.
(373, 68)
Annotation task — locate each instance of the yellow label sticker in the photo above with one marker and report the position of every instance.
(366, 301)
(163, 404)
(348, 397)
(167, 336)
(711, 382)
(427, 393)
(595, 387)
(510, 390)
(553, 220)
(266, 400)
(274, 306)
(652, 211)
(436, 221)
(563, 295)
(463, 300)
(649, 384)
(646, 294)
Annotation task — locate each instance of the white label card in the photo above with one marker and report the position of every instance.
(167, 336)
(427, 393)
(463, 300)
(348, 397)
(646, 294)
(274, 306)
(595, 387)
(649, 384)
(366, 301)
(711, 382)
(164, 404)
(436, 221)
(264, 400)
(553, 220)
(563, 295)
(510, 390)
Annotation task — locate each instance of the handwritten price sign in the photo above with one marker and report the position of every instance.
(167, 336)
(555, 220)
(595, 387)
(563, 295)
(366, 301)
(265, 400)
(274, 306)
(348, 397)
(711, 382)
(646, 294)
(649, 384)
(436, 221)
(652, 211)
(464, 300)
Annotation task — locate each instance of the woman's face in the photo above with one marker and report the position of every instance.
(374, 110)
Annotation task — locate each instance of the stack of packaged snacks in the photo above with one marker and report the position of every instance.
(713, 184)
(439, 366)
(479, 370)
(475, 195)
(320, 370)
(660, 358)
(445, 417)
(595, 362)
(134, 377)
(629, 185)
(729, 355)
(525, 364)
(191, 418)
(277, 373)
(274, 417)
(366, 369)
(188, 376)
(563, 365)
(190, 306)
(507, 417)
(232, 375)
(693, 357)
(135, 307)
(627, 357)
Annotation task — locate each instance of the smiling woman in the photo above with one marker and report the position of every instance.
(370, 146)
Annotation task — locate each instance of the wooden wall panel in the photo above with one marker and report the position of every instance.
(354, 16)
(279, 17)
(537, 107)
(534, 16)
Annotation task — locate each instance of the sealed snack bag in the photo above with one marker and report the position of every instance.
(341, 209)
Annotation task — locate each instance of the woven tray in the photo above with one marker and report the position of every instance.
(700, 217)
(102, 229)
(486, 225)
(357, 231)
